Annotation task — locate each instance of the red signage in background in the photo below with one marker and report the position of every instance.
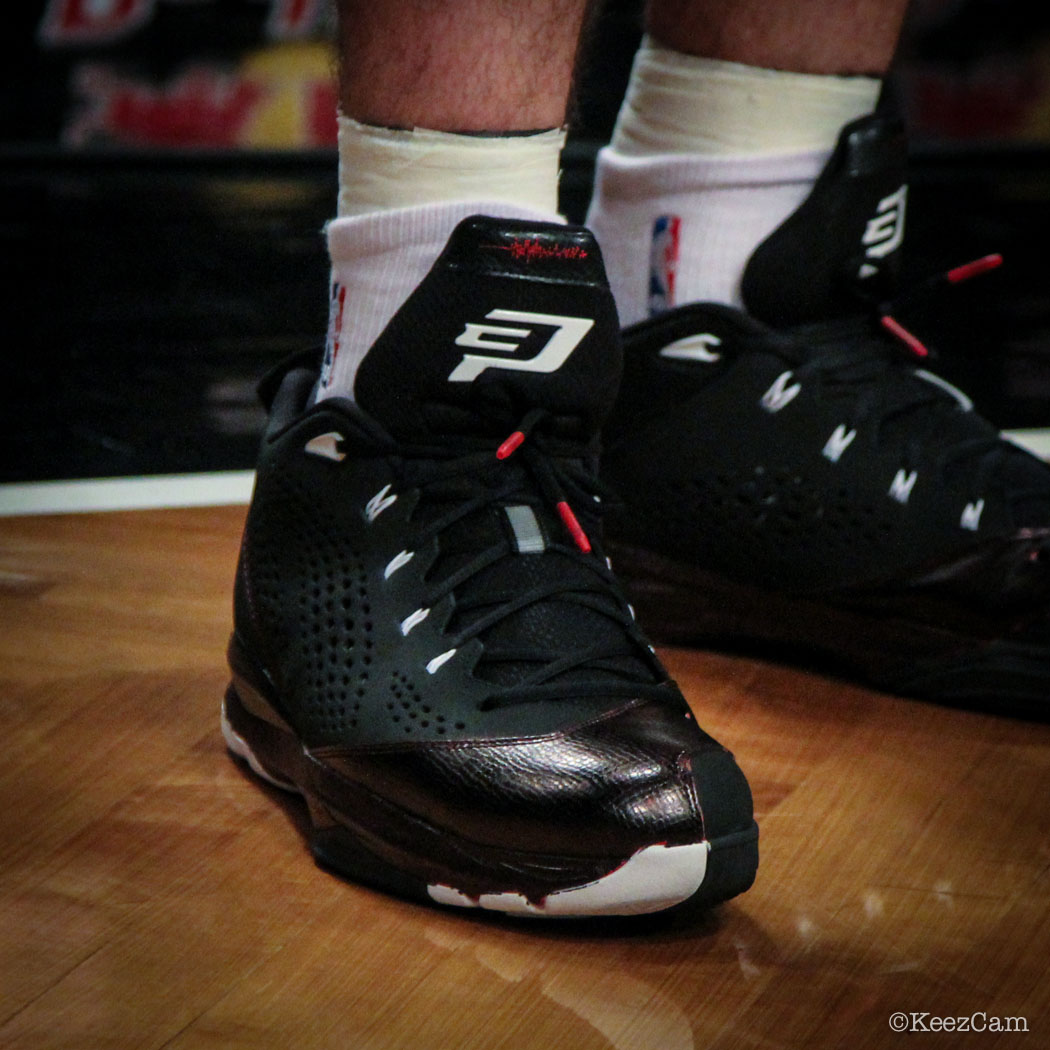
(269, 85)
(69, 23)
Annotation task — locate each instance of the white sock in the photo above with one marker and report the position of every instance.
(707, 159)
(401, 193)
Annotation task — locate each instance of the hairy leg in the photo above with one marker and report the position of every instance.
(732, 111)
(459, 65)
(449, 108)
(803, 36)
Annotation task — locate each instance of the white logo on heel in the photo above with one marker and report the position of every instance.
(569, 332)
(885, 232)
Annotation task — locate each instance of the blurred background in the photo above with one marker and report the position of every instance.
(166, 167)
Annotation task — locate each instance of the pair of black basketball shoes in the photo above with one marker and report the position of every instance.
(431, 645)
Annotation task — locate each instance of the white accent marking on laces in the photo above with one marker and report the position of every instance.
(971, 516)
(838, 442)
(569, 332)
(410, 621)
(396, 562)
(902, 484)
(528, 536)
(949, 388)
(780, 394)
(326, 446)
(654, 878)
(443, 658)
(378, 503)
(693, 348)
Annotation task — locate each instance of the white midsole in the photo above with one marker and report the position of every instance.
(654, 878)
(239, 746)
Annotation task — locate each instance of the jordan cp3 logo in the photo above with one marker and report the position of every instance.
(884, 233)
(567, 335)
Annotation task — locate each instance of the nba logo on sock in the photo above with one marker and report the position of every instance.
(663, 261)
(335, 331)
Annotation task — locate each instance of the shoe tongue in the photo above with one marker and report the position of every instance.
(513, 316)
(843, 244)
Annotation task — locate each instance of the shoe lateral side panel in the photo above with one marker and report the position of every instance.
(300, 568)
(325, 625)
(285, 392)
(654, 378)
(754, 494)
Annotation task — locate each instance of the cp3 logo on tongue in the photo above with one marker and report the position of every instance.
(567, 335)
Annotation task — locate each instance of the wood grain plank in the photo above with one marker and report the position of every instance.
(155, 895)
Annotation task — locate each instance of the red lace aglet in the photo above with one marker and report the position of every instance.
(510, 445)
(912, 342)
(567, 516)
(972, 269)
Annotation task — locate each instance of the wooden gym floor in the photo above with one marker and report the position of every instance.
(152, 894)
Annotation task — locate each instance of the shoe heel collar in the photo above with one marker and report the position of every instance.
(271, 382)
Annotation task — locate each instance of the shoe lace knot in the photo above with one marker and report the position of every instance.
(518, 571)
(871, 362)
(887, 310)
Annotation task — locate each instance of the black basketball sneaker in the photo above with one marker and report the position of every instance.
(806, 482)
(429, 644)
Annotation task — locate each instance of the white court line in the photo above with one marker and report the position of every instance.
(221, 488)
(1036, 440)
